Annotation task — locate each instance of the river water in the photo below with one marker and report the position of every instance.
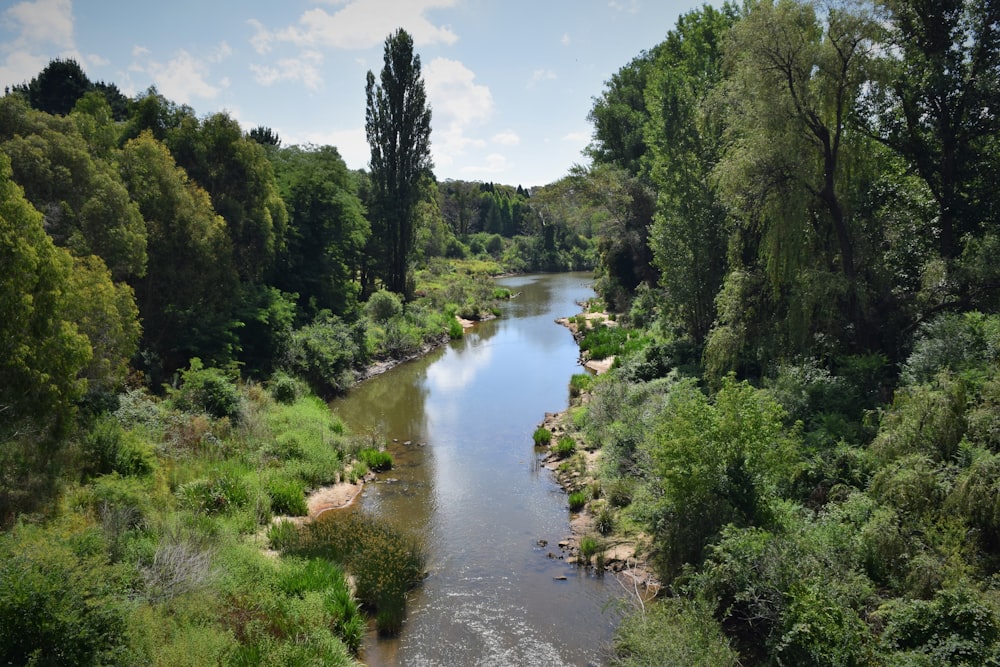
(470, 482)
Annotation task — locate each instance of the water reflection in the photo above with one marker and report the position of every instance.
(476, 492)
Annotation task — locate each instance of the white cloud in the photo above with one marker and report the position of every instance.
(41, 22)
(305, 69)
(507, 138)
(565, 39)
(628, 6)
(35, 25)
(181, 79)
(540, 75)
(495, 164)
(577, 137)
(458, 104)
(352, 144)
(359, 24)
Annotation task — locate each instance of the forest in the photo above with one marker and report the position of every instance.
(791, 211)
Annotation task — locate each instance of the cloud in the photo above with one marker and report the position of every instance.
(41, 22)
(305, 69)
(564, 40)
(359, 24)
(628, 6)
(184, 77)
(506, 138)
(458, 104)
(577, 137)
(352, 144)
(495, 164)
(540, 75)
(35, 25)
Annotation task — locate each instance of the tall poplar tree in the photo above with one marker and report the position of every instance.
(398, 125)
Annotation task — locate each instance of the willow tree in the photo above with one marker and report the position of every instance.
(398, 125)
(791, 174)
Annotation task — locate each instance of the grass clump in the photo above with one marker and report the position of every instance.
(542, 436)
(566, 446)
(577, 501)
(590, 546)
(384, 561)
(376, 460)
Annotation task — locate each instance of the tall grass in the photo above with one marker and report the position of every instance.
(384, 561)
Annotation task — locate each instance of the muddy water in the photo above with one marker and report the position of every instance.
(469, 480)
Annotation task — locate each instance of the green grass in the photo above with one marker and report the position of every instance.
(542, 436)
(577, 501)
(566, 446)
(376, 460)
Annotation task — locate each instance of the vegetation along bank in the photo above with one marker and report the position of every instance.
(792, 212)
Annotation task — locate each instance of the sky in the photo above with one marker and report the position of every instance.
(510, 83)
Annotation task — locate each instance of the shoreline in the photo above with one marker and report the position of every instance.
(619, 554)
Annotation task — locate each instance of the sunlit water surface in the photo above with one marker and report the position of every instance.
(471, 483)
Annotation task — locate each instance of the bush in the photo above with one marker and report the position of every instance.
(673, 631)
(288, 496)
(221, 494)
(383, 306)
(589, 547)
(384, 561)
(109, 448)
(577, 501)
(542, 436)
(284, 388)
(376, 459)
(325, 353)
(58, 604)
(207, 390)
(566, 446)
(282, 535)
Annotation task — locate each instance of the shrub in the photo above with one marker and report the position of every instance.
(207, 390)
(673, 631)
(589, 547)
(109, 448)
(375, 459)
(577, 501)
(542, 436)
(384, 561)
(325, 352)
(58, 605)
(579, 383)
(284, 388)
(382, 306)
(288, 496)
(604, 522)
(218, 495)
(282, 535)
(566, 446)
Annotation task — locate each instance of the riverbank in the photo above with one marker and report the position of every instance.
(621, 554)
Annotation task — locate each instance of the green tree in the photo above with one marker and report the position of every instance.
(398, 126)
(239, 178)
(327, 231)
(57, 87)
(42, 351)
(86, 206)
(936, 105)
(186, 296)
(689, 233)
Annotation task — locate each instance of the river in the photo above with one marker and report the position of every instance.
(470, 481)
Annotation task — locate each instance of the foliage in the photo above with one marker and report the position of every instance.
(384, 561)
(326, 352)
(542, 436)
(207, 390)
(110, 448)
(377, 460)
(397, 124)
(672, 631)
(577, 501)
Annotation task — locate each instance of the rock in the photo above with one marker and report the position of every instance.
(561, 577)
(407, 442)
(542, 543)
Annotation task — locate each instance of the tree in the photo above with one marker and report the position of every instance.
(41, 349)
(327, 230)
(398, 126)
(186, 296)
(937, 105)
(57, 87)
(688, 237)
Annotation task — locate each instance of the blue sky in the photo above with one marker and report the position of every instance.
(510, 83)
